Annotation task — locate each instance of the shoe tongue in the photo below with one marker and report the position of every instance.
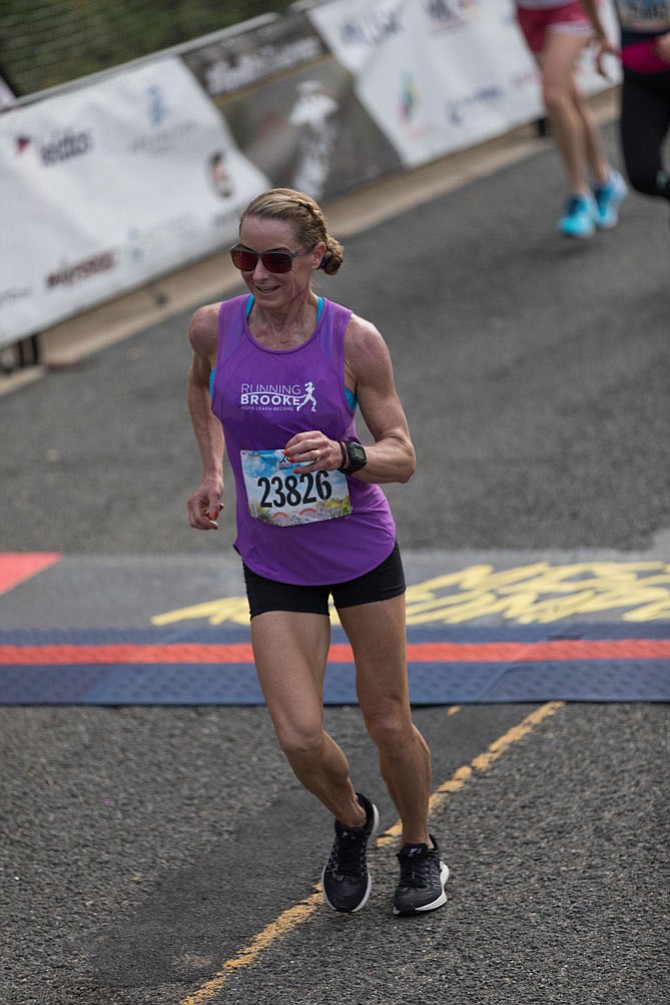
(412, 850)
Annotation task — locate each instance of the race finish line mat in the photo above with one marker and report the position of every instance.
(174, 631)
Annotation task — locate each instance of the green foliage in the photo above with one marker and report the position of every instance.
(48, 42)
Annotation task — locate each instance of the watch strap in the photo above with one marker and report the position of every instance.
(352, 463)
(345, 456)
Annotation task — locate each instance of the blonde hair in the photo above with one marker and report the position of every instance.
(308, 218)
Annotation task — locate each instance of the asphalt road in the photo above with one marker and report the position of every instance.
(145, 849)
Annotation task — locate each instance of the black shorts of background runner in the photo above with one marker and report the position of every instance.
(387, 580)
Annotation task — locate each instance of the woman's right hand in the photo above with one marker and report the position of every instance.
(204, 505)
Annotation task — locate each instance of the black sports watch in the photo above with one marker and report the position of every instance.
(353, 456)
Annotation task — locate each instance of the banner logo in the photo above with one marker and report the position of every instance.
(408, 99)
(444, 14)
(158, 111)
(14, 294)
(66, 146)
(61, 147)
(370, 30)
(163, 137)
(220, 175)
(455, 111)
(156, 239)
(67, 275)
(240, 68)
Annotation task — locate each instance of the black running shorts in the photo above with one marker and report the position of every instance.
(385, 581)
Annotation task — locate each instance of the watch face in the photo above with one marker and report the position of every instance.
(357, 456)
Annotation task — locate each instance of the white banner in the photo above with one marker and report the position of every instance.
(438, 75)
(108, 186)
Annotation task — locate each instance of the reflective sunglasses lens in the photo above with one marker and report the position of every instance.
(244, 260)
(277, 261)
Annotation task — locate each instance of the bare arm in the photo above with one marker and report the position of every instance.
(369, 368)
(369, 372)
(204, 504)
(604, 46)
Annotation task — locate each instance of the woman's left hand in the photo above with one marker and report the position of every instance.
(313, 451)
(604, 48)
(663, 47)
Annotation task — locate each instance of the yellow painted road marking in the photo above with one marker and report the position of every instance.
(275, 931)
(481, 763)
(300, 912)
(532, 594)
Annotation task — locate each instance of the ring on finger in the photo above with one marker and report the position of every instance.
(317, 455)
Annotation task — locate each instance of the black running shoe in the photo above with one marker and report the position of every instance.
(423, 876)
(345, 878)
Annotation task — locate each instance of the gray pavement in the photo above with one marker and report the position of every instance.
(143, 848)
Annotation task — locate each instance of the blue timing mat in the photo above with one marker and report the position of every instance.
(118, 667)
(526, 628)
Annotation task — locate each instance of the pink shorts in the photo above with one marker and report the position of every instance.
(537, 22)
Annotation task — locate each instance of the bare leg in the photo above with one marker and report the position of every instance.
(573, 127)
(290, 651)
(595, 154)
(377, 635)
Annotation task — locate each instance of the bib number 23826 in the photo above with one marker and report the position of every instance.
(281, 494)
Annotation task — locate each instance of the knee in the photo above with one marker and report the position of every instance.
(301, 742)
(554, 97)
(389, 729)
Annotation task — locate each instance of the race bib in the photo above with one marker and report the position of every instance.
(281, 494)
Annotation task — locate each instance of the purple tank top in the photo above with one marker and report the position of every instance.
(263, 397)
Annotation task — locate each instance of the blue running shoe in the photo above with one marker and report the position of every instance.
(579, 219)
(608, 199)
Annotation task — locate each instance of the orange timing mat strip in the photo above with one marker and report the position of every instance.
(420, 652)
(17, 566)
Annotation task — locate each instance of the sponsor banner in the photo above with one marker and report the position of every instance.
(293, 109)
(109, 186)
(437, 75)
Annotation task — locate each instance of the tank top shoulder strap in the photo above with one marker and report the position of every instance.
(231, 326)
(337, 319)
(334, 323)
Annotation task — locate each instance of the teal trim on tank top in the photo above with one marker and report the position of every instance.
(351, 397)
(319, 307)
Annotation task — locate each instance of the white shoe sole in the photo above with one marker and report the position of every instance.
(434, 904)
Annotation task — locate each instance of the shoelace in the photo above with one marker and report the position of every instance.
(348, 855)
(576, 202)
(415, 870)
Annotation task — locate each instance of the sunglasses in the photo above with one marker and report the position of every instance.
(274, 261)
